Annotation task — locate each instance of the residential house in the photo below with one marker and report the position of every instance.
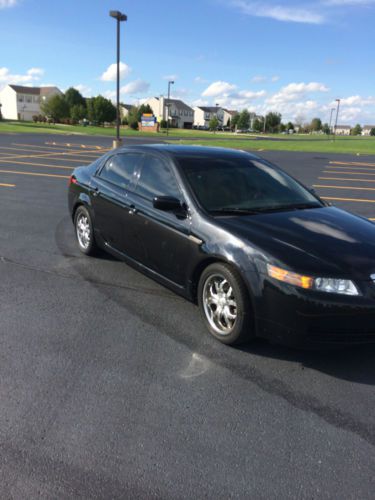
(203, 115)
(22, 103)
(180, 114)
(367, 129)
(125, 109)
(342, 129)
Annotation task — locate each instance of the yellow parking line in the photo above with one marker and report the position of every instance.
(348, 199)
(345, 187)
(36, 164)
(352, 163)
(33, 173)
(45, 155)
(347, 173)
(58, 147)
(84, 154)
(344, 179)
(351, 167)
(7, 185)
(75, 144)
(371, 219)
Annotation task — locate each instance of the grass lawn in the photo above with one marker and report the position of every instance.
(311, 144)
(304, 143)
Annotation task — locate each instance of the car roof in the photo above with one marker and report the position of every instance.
(179, 150)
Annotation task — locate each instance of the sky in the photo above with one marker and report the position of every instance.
(293, 57)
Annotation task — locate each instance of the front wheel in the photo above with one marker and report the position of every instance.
(84, 231)
(225, 304)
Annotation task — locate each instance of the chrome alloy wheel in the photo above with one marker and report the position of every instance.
(83, 231)
(219, 304)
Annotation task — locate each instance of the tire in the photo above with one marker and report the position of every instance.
(222, 289)
(84, 231)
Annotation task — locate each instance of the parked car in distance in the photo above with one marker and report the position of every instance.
(260, 253)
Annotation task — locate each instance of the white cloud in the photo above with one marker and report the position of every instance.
(249, 94)
(275, 78)
(218, 88)
(31, 76)
(294, 92)
(170, 77)
(110, 94)
(199, 79)
(279, 12)
(355, 100)
(83, 89)
(7, 3)
(110, 74)
(259, 79)
(134, 87)
(340, 3)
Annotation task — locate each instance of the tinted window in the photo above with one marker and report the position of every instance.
(242, 183)
(157, 180)
(119, 169)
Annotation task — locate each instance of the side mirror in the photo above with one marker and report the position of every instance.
(169, 204)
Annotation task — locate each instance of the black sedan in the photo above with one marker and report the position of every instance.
(260, 253)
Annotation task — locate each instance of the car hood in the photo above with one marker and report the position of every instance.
(323, 241)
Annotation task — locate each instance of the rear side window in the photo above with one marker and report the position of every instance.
(119, 169)
(157, 179)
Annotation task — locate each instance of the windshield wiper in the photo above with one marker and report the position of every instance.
(295, 206)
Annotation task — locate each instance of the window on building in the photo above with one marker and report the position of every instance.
(20, 98)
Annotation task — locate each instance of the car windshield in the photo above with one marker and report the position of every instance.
(243, 186)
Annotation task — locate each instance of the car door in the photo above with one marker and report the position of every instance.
(162, 237)
(110, 190)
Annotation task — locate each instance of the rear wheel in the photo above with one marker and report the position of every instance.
(225, 304)
(84, 231)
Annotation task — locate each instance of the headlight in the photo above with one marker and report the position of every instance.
(328, 285)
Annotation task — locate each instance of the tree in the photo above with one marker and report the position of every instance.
(282, 127)
(372, 132)
(78, 112)
(234, 122)
(326, 129)
(244, 120)
(273, 121)
(134, 117)
(213, 123)
(316, 125)
(56, 107)
(74, 98)
(100, 110)
(258, 124)
(290, 126)
(357, 130)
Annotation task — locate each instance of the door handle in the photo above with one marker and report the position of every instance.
(132, 210)
(95, 191)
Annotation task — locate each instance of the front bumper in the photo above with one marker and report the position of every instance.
(301, 317)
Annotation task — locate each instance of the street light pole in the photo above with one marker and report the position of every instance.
(337, 115)
(119, 17)
(171, 82)
(330, 120)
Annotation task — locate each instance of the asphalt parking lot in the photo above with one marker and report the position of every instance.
(110, 387)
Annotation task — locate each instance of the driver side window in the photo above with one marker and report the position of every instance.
(157, 179)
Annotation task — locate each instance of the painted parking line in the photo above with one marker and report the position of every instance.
(91, 153)
(344, 179)
(63, 167)
(34, 173)
(351, 167)
(7, 185)
(352, 163)
(50, 156)
(345, 172)
(75, 145)
(371, 219)
(50, 148)
(343, 187)
(360, 200)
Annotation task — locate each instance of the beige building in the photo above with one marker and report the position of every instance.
(367, 129)
(22, 103)
(180, 114)
(203, 115)
(342, 130)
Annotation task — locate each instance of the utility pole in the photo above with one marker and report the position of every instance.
(171, 82)
(337, 115)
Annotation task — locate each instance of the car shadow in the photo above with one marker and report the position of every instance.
(351, 363)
